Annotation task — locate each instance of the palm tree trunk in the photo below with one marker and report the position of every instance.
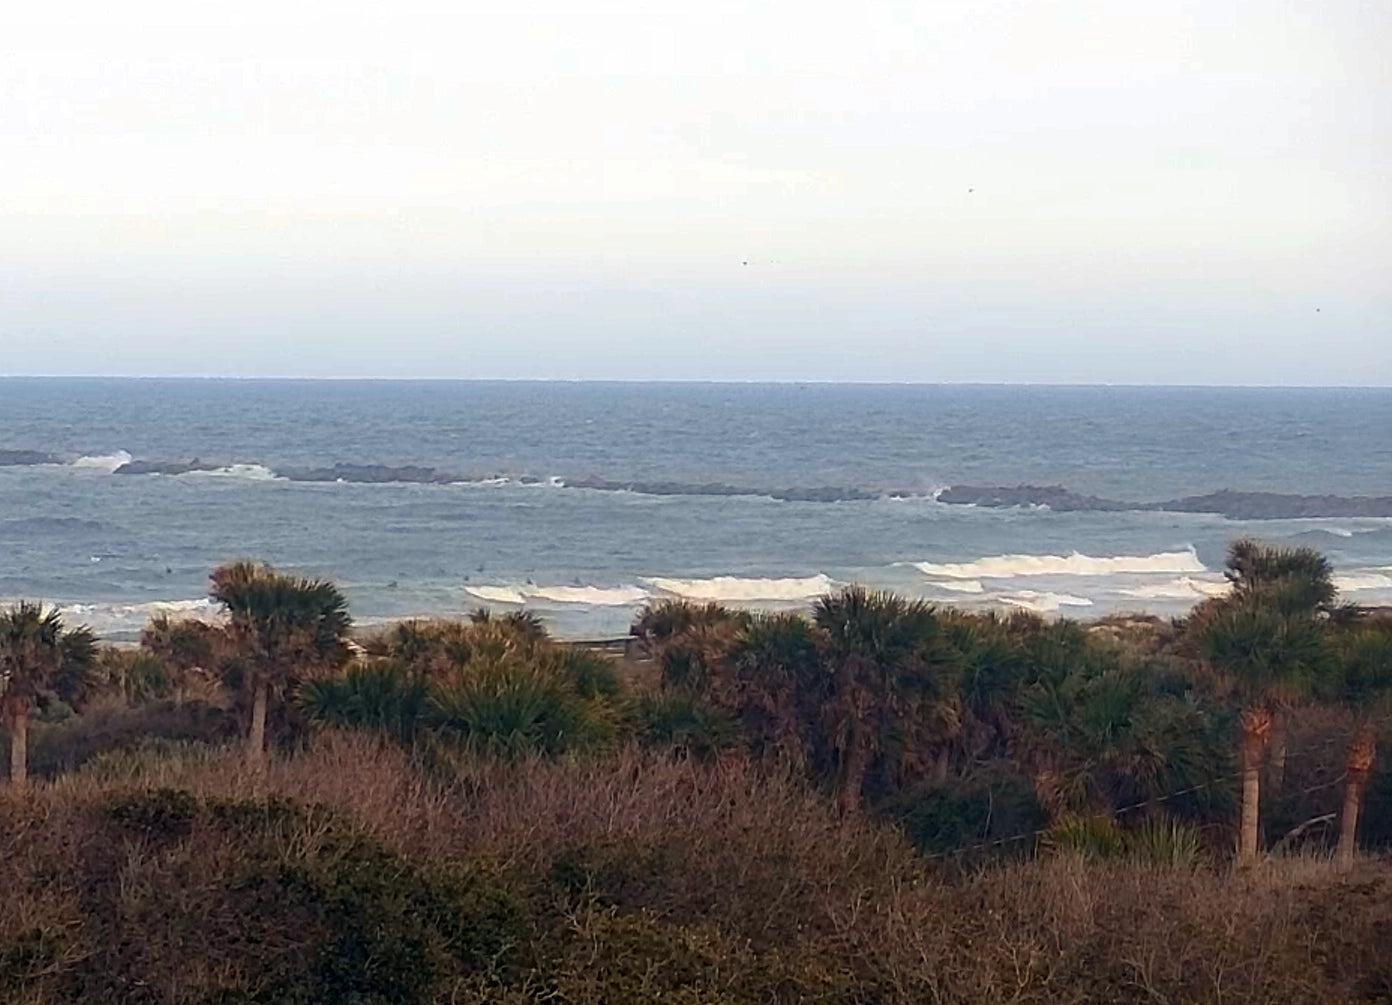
(1360, 762)
(856, 759)
(256, 741)
(19, 745)
(1276, 763)
(1256, 727)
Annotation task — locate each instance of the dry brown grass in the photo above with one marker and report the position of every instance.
(647, 862)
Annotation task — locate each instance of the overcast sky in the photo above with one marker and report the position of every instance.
(1021, 190)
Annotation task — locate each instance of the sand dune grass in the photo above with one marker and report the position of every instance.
(357, 871)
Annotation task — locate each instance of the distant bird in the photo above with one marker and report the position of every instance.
(744, 263)
(970, 190)
(1317, 310)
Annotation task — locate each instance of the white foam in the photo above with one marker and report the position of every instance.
(104, 618)
(250, 472)
(959, 586)
(103, 462)
(497, 594)
(594, 596)
(1356, 582)
(1041, 603)
(736, 590)
(589, 596)
(1075, 564)
(1183, 588)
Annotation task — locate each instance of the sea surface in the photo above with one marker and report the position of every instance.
(583, 501)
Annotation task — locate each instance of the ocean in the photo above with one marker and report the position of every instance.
(583, 501)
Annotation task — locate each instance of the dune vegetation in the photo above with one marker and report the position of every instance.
(874, 801)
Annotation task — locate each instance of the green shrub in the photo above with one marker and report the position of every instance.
(60, 747)
(993, 804)
(383, 696)
(1091, 837)
(684, 723)
(513, 708)
(1164, 841)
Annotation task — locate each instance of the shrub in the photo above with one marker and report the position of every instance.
(56, 748)
(1165, 842)
(995, 803)
(383, 696)
(683, 723)
(342, 874)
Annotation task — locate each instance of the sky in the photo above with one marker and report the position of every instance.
(1073, 191)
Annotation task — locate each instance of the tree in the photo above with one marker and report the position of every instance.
(183, 646)
(892, 696)
(1294, 580)
(1365, 686)
(1266, 638)
(40, 659)
(777, 685)
(282, 627)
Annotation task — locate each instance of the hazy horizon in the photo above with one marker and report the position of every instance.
(697, 381)
(1083, 193)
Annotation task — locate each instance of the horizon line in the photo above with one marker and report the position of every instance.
(692, 381)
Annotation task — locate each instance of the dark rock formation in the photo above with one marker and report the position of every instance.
(1054, 496)
(1278, 506)
(25, 458)
(164, 467)
(1228, 503)
(375, 474)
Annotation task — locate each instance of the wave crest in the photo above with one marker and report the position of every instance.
(737, 590)
(588, 596)
(103, 462)
(1075, 564)
(1183, 588)
(1041, 602)
(1361, 582)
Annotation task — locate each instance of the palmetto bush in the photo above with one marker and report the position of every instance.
(384, 696)
(683, 723)
(513, 707)
(1164, 841)
(496, 685)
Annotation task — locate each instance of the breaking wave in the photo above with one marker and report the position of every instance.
(114, 619)
(590, 596)
(250, 472)
(1040, 602)
(1359, 582)
(1076, 564)
(738, 590)
(959, 585)
(103, 462)
(1183, 588)
(497, 594)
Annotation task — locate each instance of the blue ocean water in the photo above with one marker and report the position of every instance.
(582, 501)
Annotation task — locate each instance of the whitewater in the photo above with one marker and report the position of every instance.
(584, 502)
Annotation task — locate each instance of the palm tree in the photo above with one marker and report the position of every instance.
(283, 626)
(1365, 686)
(40, 659)
(689, 642)
(778, 683)
(1267, 640)
(1294, 580)
(888, 696)
(182, 646)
